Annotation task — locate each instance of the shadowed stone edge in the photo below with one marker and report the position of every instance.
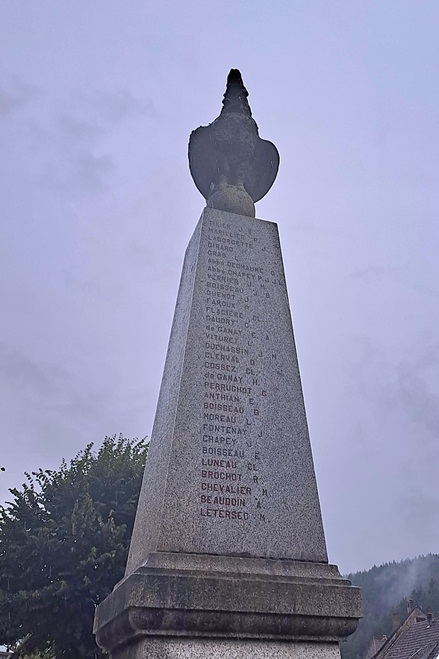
(157, 602)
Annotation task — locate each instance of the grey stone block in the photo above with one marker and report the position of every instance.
(228, 554)
(230, 469)
(160, 648)
(227, 597)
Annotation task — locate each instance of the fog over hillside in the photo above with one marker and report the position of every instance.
(387, 589)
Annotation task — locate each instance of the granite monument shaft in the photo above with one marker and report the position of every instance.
(228, 555)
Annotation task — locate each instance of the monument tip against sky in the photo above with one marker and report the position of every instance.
(228, 555)
(231, 165)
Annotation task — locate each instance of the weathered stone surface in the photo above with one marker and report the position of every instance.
(160, 648)
(230, 469)
(177, 595)
(228, 556)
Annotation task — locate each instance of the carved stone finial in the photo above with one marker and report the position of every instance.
(231, 165)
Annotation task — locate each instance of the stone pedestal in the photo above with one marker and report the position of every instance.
(193, 648)
(228, 555)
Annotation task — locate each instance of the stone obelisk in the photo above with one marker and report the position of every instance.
(228, 556)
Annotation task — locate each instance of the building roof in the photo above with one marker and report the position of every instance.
(416, 638)
(375, 645)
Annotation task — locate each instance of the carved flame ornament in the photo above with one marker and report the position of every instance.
(231, 165)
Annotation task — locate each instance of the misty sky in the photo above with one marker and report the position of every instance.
(97, 100)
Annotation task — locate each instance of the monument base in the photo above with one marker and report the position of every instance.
(184, 604)
(196, 648)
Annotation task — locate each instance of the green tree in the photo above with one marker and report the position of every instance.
(48, 654)
(63, 545)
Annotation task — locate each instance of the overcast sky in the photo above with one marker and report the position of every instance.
(97, 100)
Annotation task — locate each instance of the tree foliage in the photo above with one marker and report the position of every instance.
(63, 545)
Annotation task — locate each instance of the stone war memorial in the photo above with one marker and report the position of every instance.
(228, 557)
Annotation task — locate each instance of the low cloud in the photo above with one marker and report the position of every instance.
(17, 96)
(121, 105)
(79, 128)
(79, 174)
(78, 140)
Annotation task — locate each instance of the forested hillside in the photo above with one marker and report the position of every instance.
(387, 589)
